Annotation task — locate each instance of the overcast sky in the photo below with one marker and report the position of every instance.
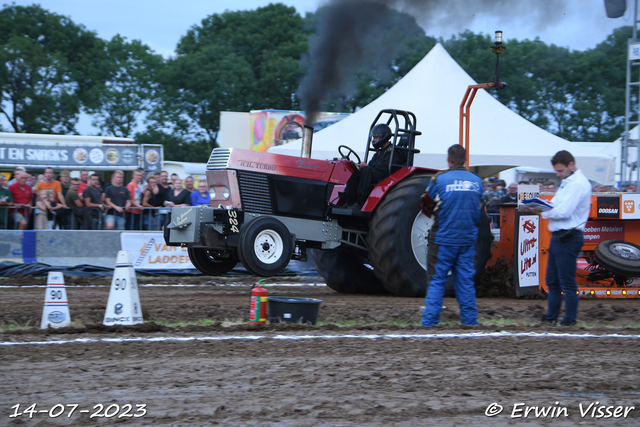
(578, 24)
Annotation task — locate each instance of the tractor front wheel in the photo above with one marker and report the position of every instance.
(265, 246)
(210, 262)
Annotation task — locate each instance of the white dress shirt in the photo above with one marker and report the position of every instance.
(571, 204)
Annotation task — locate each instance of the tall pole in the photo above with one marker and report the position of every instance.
(626, 142)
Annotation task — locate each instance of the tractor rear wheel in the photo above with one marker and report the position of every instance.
(346, 272)
(210, 262)
(398, 240)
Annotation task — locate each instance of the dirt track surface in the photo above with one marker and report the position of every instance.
(234, 374)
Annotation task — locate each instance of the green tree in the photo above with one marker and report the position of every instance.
(130, 88)
(235, 61)
(599, 106)
(49, 65)
(575, 95)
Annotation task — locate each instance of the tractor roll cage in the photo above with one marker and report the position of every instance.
(403, 138)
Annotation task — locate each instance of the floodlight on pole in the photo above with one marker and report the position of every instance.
(498, 38)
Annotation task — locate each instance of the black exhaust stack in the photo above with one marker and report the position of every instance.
(307, 140)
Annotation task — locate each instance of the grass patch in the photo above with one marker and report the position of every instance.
(13, 327)
(201, 322)
(344, 323)
(507, 322)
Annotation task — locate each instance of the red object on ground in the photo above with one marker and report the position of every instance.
(258, 309)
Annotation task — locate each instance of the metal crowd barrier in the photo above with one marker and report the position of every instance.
(135, 219)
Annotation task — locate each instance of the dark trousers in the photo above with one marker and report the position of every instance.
(561, 276)
(361, 183)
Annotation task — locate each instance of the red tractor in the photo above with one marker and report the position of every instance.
(267, 209)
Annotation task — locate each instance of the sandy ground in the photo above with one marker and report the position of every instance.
(369, 371)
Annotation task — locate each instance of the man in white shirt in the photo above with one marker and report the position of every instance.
(567, 219)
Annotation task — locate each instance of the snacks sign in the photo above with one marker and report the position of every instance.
(107, 156)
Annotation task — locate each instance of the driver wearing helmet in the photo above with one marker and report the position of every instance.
(368, 175)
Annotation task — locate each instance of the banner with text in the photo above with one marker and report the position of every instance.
(113, 156)
(528, 262)
(149, 252)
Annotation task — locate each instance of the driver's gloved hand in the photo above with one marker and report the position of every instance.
(426, 204)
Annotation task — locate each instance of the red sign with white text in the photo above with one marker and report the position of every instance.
(599, 231)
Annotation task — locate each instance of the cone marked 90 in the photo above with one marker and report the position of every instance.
(123, 307)
(56, 308)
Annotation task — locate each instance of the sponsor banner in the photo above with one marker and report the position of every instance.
(608, 207)
(599, 231)
(271, 128)
(528, 256)
(526, 192)
(152, 158)
(105, 156)
(630, 206)
(150, 252)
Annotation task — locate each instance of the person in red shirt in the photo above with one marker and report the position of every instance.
(22, 197)
(84, 181)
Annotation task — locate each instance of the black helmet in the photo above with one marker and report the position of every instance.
(381, 131)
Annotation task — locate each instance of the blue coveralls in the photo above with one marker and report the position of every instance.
(457, 194)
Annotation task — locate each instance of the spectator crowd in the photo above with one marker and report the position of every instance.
(87, 203)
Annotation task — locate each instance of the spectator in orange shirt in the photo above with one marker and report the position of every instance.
(51, 184)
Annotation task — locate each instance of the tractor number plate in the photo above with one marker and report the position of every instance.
(232, 220)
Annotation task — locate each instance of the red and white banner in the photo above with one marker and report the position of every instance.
(528, 255)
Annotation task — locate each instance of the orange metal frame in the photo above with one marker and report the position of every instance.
(465, 107)
(624, 229)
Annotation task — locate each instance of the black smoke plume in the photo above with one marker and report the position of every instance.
(345, 30)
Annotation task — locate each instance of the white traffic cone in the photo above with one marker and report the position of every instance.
(56, 308)
(123, 307)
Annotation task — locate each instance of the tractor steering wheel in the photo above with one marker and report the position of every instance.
(347, 156)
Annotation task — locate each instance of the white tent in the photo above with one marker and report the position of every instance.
(433, 90)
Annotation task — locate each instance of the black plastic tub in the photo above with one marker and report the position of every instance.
(293, 310)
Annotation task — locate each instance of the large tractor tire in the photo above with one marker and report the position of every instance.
(210, 262)
(620, 257)
(398, 240)
(346, 273)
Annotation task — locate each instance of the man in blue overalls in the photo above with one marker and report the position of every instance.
(454, 198)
